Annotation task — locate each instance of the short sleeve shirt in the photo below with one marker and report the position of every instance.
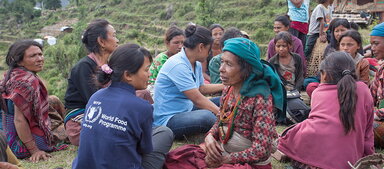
(288, 73)
(299, 14)
(175, 77)
(319, 12)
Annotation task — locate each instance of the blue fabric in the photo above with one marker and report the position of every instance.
(378, 30)
(190, 123)
(299, 14)
(116, 129)
(175, 77)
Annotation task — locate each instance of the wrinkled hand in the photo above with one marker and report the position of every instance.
(36, 156)
(213, 149)
(5, 165)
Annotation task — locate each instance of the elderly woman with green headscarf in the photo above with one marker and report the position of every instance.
(244, 135)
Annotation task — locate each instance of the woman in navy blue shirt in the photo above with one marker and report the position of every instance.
(117, 126)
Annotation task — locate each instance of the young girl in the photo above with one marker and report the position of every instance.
(339, 128)
(337, 27)
(350, 42)
(287, 64)
(117, 127)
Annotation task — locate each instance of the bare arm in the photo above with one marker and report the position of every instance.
(201, 101)
(297, 3)
(322, 34)
(25, 135)
(211, 88)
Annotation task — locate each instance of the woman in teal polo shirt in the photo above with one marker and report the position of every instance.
(180, 103)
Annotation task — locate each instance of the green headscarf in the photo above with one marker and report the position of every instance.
(263, 80)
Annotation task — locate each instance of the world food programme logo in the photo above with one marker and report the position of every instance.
(93, 113)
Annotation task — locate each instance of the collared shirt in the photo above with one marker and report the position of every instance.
(116, 129)
(175, 77)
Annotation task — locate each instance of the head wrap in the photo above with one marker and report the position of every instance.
(263, 80)
(378, 30)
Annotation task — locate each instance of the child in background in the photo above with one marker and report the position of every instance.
(318, 25)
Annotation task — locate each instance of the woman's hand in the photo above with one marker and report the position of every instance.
(37, 155)
(213, 149)
(5, 165)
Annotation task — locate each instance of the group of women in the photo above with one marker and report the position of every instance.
(108, 111)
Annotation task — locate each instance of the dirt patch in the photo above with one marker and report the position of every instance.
(54, 30)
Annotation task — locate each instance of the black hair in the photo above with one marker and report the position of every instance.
(321, 1)
(127, 57)
(97, 28)
(172, 32)
(340, 69)
(245, 68)
(230, 33)
(333, 25)
(16, 54)
(197, 34)
(283, 20)
(285, 36)
(355, 36)
(213, 26)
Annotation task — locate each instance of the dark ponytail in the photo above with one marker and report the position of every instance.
(197, 34)
(127, 57)
(340, 70)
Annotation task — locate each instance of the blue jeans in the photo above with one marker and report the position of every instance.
(311, 41)
(193, 122)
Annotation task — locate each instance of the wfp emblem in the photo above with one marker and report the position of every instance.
(93, 113)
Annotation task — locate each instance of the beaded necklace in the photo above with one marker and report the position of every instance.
(228, 118)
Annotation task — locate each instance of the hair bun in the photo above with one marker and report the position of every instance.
(190, 30)
(84, 37)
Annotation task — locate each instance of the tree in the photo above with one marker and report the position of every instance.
(204, 11)
(52, 4)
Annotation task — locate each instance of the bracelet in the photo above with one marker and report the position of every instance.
(28, 141)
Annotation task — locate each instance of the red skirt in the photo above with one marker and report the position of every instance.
(192, 157)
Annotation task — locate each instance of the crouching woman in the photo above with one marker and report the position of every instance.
(117, 126)
(244, 135)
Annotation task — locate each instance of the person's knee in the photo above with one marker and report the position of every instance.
(165, 132)
(207, 118)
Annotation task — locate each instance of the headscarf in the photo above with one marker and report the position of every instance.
(263, 80)
(378, 30)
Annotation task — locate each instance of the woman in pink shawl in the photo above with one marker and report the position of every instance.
(339, 127)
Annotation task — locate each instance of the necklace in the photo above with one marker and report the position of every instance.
(228, 117)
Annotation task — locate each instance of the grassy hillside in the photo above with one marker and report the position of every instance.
(140, 21)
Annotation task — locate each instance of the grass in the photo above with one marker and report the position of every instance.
(63, 159)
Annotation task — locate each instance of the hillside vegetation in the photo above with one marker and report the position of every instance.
(139, 21)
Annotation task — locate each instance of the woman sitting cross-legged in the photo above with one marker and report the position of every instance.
(339, 128)
(117, 127)
(180, 103)
(244, 135)
(34, 121)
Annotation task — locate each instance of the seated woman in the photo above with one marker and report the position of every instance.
(282, 23)
(100, 41)
(174, 39)
(351, 43)
(287, 64)
(339, 128)
(217, 33)
(34, 120)
(214, 64)
(179, 88)
(117, 127)
(244, 136)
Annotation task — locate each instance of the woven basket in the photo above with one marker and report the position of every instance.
(315, 58)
